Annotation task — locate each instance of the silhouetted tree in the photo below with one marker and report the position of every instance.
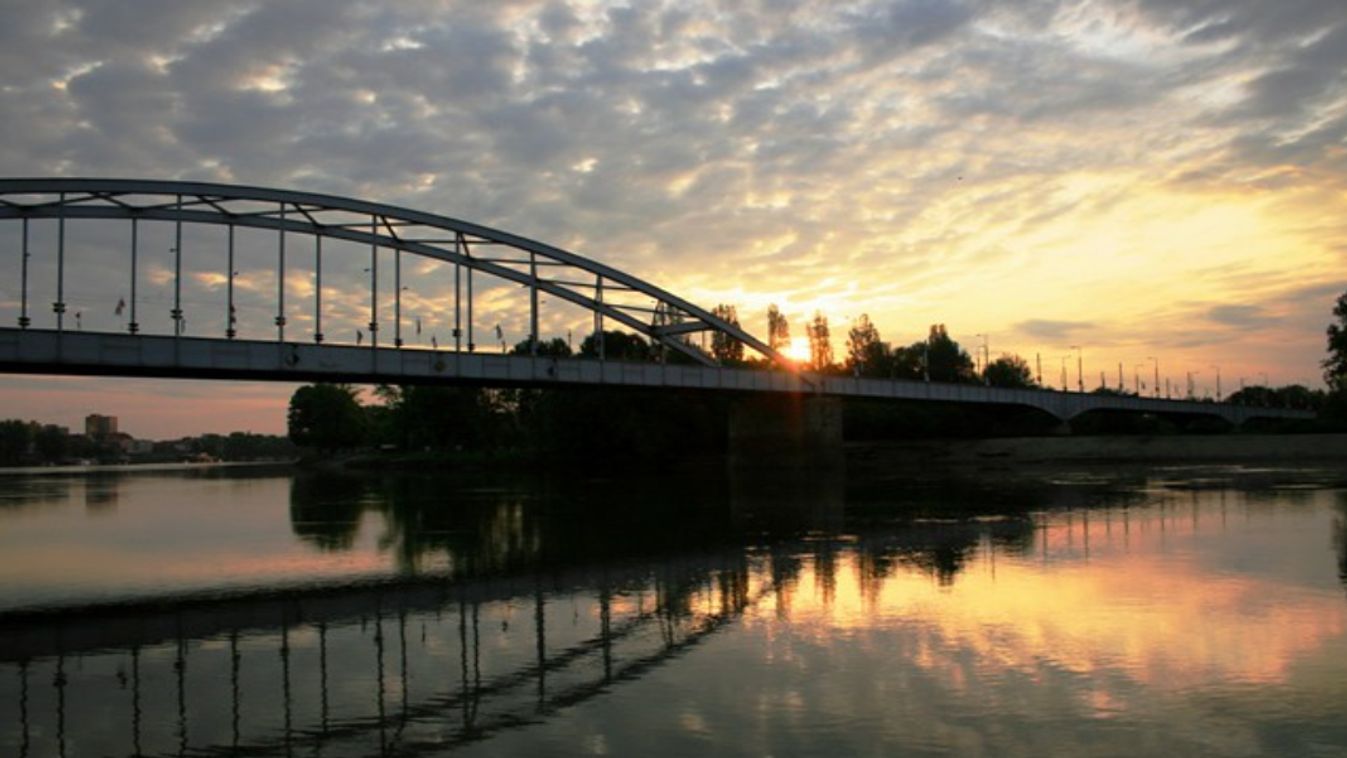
(907, 362)
(1009, 371)
(52, 443)
(15, 438)
(617, 346)
(820, 343)
(945, 360)
(778, 329)
(326, 416)
(435, 417)
(1335, 365)
(866, 354)
(725, 348)
(1290, 396)
(1333, 409)
(553, 348)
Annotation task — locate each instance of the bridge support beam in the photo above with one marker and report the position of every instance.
(786, 431)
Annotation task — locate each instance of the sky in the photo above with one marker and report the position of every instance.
(1143, 180)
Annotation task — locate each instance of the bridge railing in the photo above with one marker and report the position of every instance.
(52, 352)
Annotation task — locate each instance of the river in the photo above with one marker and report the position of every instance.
(263, 611)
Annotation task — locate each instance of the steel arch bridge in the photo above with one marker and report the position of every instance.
(474, 251)
(470, 248)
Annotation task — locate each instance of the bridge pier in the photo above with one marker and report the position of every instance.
(785, 431)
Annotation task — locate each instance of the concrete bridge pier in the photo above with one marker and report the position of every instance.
(786, 431)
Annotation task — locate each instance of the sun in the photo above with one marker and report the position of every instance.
(797, 350)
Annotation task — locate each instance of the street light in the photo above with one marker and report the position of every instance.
(1191, 374)
(1080, 371)
(1156, 386)
(1218, 381)
(1136, 378)
(986, 357)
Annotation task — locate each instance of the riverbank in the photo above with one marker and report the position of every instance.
(95, 469)
(1216, 448)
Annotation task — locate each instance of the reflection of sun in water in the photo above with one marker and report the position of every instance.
(797, 350)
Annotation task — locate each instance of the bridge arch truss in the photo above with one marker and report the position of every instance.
(609, 294)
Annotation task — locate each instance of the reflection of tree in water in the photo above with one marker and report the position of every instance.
(493, 528)
(28, 492)
(101, 493)
(498, 526)
(940, 550)
(1340, 537)
(325, 509)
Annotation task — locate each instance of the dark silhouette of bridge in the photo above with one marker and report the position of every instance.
(477, 260)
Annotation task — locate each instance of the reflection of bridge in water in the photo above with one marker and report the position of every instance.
(255, 676)
(426, 665)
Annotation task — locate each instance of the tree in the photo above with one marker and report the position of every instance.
(15, 438)
(820, 345)
(617, 346)
(778, 329)
(52, 442)
(1009, 371)
(725, 348)
(945, 360)
(907, 362)
(866, 355)
(326, 416)
(1290, 396)
(1335, 365)
(553, 348)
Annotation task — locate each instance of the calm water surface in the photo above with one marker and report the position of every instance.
(1190, 611)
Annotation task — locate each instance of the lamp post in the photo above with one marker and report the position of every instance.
(986, 357)
(1156, 386)
(1136, 378)
(1080, 370)
(1218, 381)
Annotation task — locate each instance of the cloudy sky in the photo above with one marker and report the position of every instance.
(1141, 179)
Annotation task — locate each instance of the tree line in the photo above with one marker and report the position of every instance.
(29, 443)
(938, 358)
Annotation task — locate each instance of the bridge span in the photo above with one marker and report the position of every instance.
(52, 352)
(243, 261)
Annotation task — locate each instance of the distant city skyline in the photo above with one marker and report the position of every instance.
(1139, 179)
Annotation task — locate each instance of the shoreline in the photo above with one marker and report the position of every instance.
(134, 468)
(1182, 449)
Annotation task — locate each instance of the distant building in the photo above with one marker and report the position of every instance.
(98, 427)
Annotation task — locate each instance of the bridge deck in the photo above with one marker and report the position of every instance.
(94, 353)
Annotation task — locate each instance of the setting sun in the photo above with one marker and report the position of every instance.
(797, 350)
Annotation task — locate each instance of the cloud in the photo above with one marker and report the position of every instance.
(1241, 316)
(1053, 331)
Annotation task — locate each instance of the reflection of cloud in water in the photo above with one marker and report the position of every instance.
(1167, 628)
(1111, 593)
